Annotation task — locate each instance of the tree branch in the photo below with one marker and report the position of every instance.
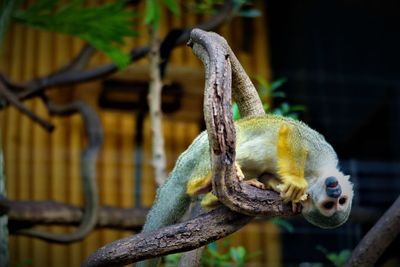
(377, 239)
(94, 133)
(176, 238)
(13, 99)
(221, 133)
(26, 214)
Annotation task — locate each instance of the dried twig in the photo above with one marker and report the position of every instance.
(88, 158)
(13, 99)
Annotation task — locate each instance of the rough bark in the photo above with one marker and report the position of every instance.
(212, 50)
(24, 214)
(175, 238)
(377, 239)
(192, 258)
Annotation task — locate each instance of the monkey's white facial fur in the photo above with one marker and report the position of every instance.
(330, 199)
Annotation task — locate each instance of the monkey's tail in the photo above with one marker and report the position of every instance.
(172, 200)
(169, 206)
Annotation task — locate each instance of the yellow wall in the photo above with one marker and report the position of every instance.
(42, 166)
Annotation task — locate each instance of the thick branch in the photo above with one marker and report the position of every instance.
(29, 213)
(221, 133)
(243, 90)
(24, 214)
(176, 238)
(378, 238)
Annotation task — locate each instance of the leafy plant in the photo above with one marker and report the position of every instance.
(337, 259)
(104, 27)
(242, 8)
(153, 10)
(268, 92)
(7, 8)
(285, 224)
(172, 260)
(235, 256)
(212, 257)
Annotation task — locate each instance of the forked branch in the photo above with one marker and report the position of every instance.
(246, 199)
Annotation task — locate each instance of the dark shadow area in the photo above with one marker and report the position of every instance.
(341, 60)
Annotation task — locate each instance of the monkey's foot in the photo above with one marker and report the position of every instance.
(293, 192)
(239, 172)
(254, 182)
(210, 201)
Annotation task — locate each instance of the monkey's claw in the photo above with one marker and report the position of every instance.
(239, 172)
(255, 183)
(292, 192)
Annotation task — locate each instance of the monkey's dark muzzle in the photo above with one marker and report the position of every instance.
(333, 188)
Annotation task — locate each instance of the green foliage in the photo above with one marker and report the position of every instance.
(104, 27)
(212, 257)
(153, 10)
(267, 92)
(283, 224)
(172, 260)
(235, 256)
(7, 8)
(23, 263)
(337, 259)
(242, 8)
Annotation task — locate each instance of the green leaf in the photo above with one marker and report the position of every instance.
(277, 83)
(266, 107)
(149, 12)
(235, 111)
(152, 13)
(278, 94)
(298, 108)
(104, 27)
(250, 13)
(283, 224)
(212, 248)
(7, 8)
(172, 6)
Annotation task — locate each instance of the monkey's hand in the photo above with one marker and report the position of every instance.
(292, 155)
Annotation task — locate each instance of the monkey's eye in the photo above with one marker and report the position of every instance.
(328, 205)
(342, 201)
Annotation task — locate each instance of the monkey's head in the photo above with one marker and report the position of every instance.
(329, 200)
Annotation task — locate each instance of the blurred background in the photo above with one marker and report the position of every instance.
(332, 64)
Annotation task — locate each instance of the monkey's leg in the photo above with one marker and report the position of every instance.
(292, 155)
(254, 182)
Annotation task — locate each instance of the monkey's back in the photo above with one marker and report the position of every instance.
(257, 139)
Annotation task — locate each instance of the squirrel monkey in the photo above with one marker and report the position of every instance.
(272, 152)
